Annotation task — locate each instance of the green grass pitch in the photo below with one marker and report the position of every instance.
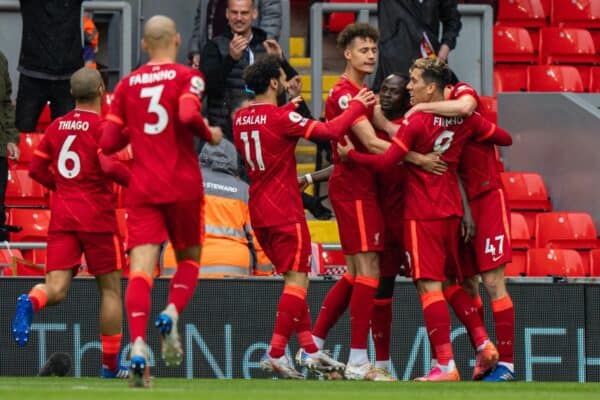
(208, 389)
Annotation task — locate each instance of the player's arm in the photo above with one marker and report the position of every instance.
(431, 162)
(114, 169)
(378, 162)
(485, 131)
(189, 115)
(464, 106)
(113, 135)
(318, 176)
(382, 123)
(467, 225)
(39, 169)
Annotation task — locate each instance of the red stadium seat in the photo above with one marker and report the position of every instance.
(508, 78)
(106, 101)
(513, 45)
(566, 230)
(518, 264)
(44, 119)
(32, 263)
(580, 13)
(547, 6)
(553, 78)
(28, 142)
(524, 13)
(595, 262)
(35, 224)
(489, 108)
(519, 232)
(527, 194)
(566, 46)
(594, 86)
(8, 261)
(554, 262)
(22, 191)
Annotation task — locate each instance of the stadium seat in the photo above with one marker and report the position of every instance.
(523, 13)
(44, 119)
(22, 191)
(34, 222)
(594, 86)
(554, 262)
(566, 230)
(106, 101)
(581, 13)
(526, 193)
(513, 45)
(553, 78)
(509, 78)
(547, 6)
(339, 20)
(595, 262)
(489, 108)
(7, 261)
(32, 264)
(28, 142)
(518, 264)
(519, 232)
(566, 46)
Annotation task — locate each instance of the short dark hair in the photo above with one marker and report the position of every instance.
(434, 71)
(353, 31)
(85, 84)
(258, 75)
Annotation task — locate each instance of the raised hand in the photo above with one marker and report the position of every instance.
(365, 96)
(343, 150)
(237, 46)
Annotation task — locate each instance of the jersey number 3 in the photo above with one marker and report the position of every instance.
(66, 155)
(255, 135)
(154, 107)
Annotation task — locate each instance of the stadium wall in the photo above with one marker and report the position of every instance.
(228, 324)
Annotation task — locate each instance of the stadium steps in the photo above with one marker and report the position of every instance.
(324, 231)
(297, 46)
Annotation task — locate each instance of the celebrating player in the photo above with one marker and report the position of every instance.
(159, 103)
(266, 135)
(433, 207)
(83, 217)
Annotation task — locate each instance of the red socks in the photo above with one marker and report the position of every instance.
(504, 319)
(466, 312)
(479, 304)
(334, 305)
(361, 310)
(111, 344)
(137, 304)
(381, 328)
(38, 298)
(292, 313)
(183, 284)
(437, 322)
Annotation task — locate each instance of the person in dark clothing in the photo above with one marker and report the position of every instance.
(51, 51)
(410, 29)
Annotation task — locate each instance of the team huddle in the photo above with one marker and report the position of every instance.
(416, 187)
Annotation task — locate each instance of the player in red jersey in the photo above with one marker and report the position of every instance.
(159, 103)
(266, 135)
(489, 251)
(437, 225)
(83, 220)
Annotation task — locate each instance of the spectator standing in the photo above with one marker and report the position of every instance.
(9, 136)
(410, 29)
(210, 21)
(51, 51)
(230, 248)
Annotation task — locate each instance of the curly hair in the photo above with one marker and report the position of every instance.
(258, 75)
(353, 31)
(434, 71)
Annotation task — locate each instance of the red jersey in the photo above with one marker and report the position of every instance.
(165, 167)
(478, 166)
(348, 181)
(266, 136)
(83, 200)
(430, 196)
(391, 184)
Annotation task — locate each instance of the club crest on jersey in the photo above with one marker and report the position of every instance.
(295, 117)
(197, 85)
(343, 101)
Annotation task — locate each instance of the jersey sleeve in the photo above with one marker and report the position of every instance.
(194, 86)
(486, 131)
(340, 101)
(290, 123)
(462, 89)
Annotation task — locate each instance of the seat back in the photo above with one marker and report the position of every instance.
(553, 78)
(524, 13)
(580, 13)
(35, 223)
(566, 230)
(520, 237)
(510, 78)
(566, 46)
(554, 262)
(525, 191)
(518, 265)
(595, 262)
(513, 45)
(22, 191)
(44, 119)
(28, 143)
(594, 86)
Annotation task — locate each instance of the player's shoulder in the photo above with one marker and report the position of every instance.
(462, 89)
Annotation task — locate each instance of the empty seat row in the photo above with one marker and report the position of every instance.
(537, 13)
(545, 78)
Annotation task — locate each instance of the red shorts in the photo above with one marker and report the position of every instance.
(432, 248)
(392, 257)
(360, 224)
(182, 223)
(490, 248)
(103, 252)
(287, 246)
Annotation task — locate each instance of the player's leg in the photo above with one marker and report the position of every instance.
(64, 256)
(185, 225)
(471, 285)
(104, 256)
(146, 231)
(381, 324)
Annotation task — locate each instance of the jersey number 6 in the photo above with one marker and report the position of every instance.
(68, 155)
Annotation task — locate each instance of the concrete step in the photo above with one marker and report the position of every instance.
(327, 82)
(300, 62)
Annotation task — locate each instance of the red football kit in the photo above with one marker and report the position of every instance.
(353, 188)
(390, 184)
(433, 205)
(480, 174)
(266, 136)
(83, 203)
(164, 197)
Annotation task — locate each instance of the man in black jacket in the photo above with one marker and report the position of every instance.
(51, 51)
(410, 29)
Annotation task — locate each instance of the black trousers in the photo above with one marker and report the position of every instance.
(3, 180)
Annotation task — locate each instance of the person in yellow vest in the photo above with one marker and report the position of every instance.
(230, 248)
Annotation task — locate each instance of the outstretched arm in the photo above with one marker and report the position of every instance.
(379, 163)
(461, 107)
(497, 136)
(189, 115)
